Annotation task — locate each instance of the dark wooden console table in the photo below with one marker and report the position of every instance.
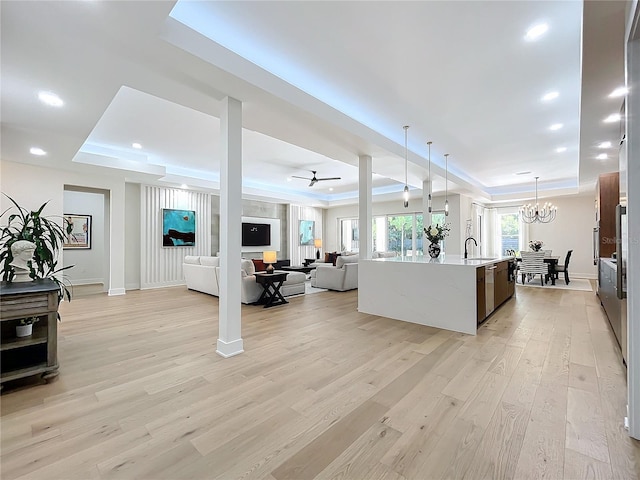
(271, 284)
(37, 353)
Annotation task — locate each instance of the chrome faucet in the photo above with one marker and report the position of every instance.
(465, 245)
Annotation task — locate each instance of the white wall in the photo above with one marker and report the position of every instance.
(571, 230)
(132, 227)
(162, 266)
(89, 266)
(297, 252)
(31, 186)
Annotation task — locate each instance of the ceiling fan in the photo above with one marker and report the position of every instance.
(315, 180)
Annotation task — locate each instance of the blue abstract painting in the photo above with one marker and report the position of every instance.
(178, 228)
(307, 232)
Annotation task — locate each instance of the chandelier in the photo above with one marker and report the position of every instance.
(535, 214)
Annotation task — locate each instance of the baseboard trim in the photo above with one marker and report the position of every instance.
(230, 349)
(117, 291)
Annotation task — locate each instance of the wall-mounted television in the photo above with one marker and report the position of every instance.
(256, 234)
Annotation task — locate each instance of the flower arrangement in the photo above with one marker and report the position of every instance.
(535, 245)
(436, 233)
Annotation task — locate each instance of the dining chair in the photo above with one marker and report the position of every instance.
(533, 264)
(565, 268)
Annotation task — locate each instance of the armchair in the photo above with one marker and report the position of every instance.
(342, 277)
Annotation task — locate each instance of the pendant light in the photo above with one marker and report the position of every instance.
(429, 198)
(535, 214)
(405, 194)
(446, 184)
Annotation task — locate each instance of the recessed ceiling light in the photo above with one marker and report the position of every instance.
(619, 92)
(550, 96)
(556, 126)
(37, 151)
(561, 149)
(605, 145)
(184, 186)
(288, 179)
(523, 173)
(50, 99)
(137, 146)
(331, 189)
(614, 117)
(536, 31)
(602, 156)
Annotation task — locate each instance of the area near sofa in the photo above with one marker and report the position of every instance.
(202, 274)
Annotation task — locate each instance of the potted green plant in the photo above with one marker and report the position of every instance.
(24, 328)
(48, 237)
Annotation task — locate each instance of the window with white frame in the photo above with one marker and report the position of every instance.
(349, 235)
(509, 232)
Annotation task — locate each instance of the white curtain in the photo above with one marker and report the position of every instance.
(491, 229)
(524, 235)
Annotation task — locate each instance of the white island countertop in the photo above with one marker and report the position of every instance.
(444, 259)
(440, 292)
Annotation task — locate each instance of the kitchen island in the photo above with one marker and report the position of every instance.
(449, 292)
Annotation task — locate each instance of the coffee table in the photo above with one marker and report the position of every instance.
(297, 268)
(271, 284)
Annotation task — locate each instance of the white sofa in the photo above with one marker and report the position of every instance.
(202, 274)
(342, 277)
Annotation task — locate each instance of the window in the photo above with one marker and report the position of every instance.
(349, 235)
(509, 232)
(439, 219)
(402, 234)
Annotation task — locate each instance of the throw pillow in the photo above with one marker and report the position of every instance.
(327, 258)
(333, 256)
(259, 264)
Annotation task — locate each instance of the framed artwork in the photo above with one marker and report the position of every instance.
(178, 228)
(307, 232)
(80, 234)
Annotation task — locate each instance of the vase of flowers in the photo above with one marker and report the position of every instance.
(435, 234)
(535, 245)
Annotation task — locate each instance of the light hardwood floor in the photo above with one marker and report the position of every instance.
(323, 391)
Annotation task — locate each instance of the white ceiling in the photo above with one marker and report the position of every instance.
(321, 83)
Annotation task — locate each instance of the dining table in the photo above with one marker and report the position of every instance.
(552, 262)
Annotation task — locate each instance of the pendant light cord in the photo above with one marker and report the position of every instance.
(429, 205)
(406, 155)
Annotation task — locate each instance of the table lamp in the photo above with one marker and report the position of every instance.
(318, 244)
(269, 258)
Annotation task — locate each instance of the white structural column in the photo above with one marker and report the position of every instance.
(230, 324)
(364, 206)
(633, 222)
(426, 188)
(116, 244)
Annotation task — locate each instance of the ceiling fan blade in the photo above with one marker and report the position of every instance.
(328, 178)
(313, 182)
(303, 178)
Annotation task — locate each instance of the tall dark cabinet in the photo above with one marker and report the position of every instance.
(607, 197)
